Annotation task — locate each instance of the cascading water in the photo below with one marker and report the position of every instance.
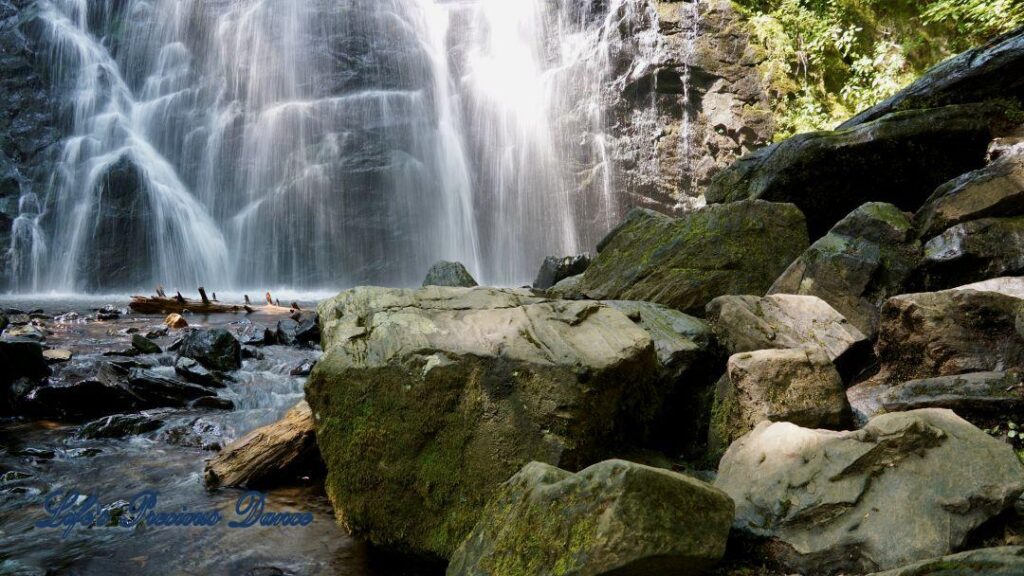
(322, 143)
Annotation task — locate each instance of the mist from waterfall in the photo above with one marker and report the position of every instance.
(321, 143)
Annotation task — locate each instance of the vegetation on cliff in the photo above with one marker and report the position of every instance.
(825, 60)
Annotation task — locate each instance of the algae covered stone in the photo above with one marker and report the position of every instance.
(427, 400)
(866, 258)
(615, 517)
(446, 273)
(685, 262)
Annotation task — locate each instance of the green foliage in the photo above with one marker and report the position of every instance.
(825, 60)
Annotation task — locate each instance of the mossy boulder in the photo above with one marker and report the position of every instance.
(900, 159)
(866, 258)
(907, 487)
(685, 262)
(427, 400)
(798, 386)
(614, 517)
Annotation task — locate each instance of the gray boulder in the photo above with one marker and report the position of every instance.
(144, 345)
(749, 323)
(685, 262)
(909, 486)
(614, 517)
(866, 258)
(973, 251)
(452, 274)
(455, 390)
(798, 386)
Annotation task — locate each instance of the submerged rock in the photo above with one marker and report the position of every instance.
(194, 372)
(909, 486)
(798, 386)
(144, 345)
(900, 159)
(283, 450)
(452, 274)
(215, 349)
(119, 426)
(614, 517)
(866, 258)
(685, 262)
(199, 433)
(457, 389)
(556, 269)
(749, 323)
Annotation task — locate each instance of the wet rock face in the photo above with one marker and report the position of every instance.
(614, 517)
(456, 389)
(556, 269)
(909, 486)
(686, 99)
(1001, 561)
(20, 359)
(28, 129)
(685, 262)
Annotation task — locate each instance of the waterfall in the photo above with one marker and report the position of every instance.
(322, 143)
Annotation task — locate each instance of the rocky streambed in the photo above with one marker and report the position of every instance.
(100, 442)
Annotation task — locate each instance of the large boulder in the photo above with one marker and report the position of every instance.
(993, 71)
(427, 400)
(866, 258)
(749, 323)
(900, 158)
(978, 393)
(274, 453)
(973, 251)
(614, 517)
(909, 486)
(946, 333)
(1001, 561)
(996, 190)
(446, 273)
(685, 262)
(798, 386)
(216, 349)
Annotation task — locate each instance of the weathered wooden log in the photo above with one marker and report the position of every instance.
(202, 294)
(179, 305)
(160, 291)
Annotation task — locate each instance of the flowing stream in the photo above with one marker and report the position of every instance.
(322, 143)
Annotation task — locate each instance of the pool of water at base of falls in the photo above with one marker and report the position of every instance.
(39, 458)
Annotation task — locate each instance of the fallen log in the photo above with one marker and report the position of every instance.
(179, 305)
